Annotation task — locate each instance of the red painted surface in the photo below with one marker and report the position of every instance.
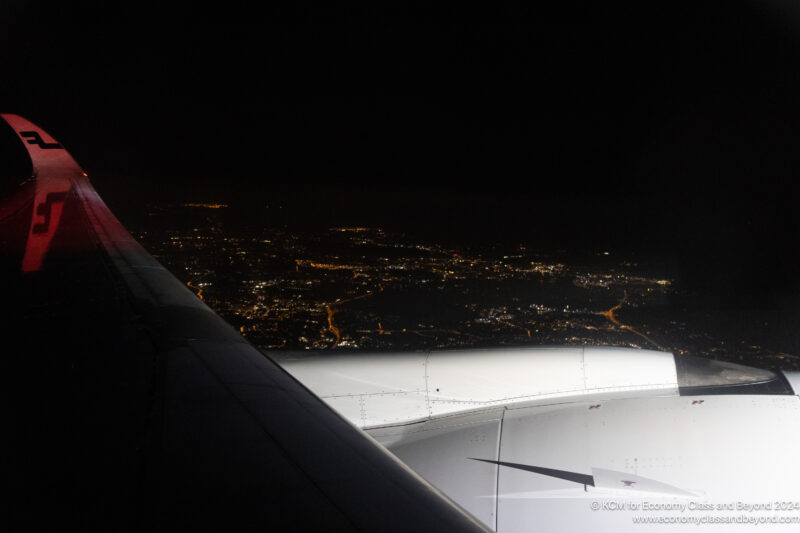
(54, 171)
(57, 181)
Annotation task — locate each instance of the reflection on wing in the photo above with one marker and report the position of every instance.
(697, 375)
(136, 407)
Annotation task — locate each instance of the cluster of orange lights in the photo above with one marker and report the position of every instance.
(326, 266)
(207, 206)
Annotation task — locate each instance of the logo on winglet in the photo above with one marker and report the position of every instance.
(33, 137)
(45, 210)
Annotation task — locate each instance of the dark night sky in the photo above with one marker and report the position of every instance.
(673, 129)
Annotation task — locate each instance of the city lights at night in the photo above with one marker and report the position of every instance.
(401, 268)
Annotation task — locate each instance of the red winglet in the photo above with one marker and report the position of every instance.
(55, 172)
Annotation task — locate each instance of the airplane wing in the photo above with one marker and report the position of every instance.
(134, 406)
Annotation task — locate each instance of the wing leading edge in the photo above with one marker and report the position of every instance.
(136, 407)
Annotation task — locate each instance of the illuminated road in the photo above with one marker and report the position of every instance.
(329, 309)
(511, 325)
(197, 290)
(332, 327)
(611, 316)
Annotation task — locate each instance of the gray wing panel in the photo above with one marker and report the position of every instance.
(262, 441)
